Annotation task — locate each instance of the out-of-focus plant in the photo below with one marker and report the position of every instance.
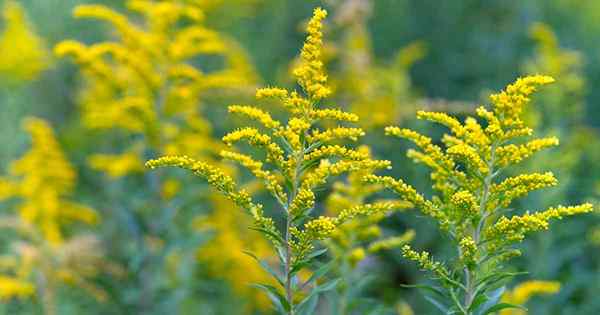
(381, 92)
(47, 253)
(474, 198)
(149, 85)
(354, 241)
(523, 292)
(23, 54)
(299, 156)
(560, 110)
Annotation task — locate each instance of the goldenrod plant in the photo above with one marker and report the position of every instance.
(523, 292)
(357, 240)
(149, 85)
(47, 252)
(23, 53)
(299, 156)
(473, 206)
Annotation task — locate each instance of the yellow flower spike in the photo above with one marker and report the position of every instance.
(336, 151)
(470, 155)
(509, 103)
(23, 55)
(512, 154)
(117, 165)
(335, 134)
(332, 114)
(310, 74)
(11, 288)
(523, 292)
(442, 118)
(425, 261)
(465, 202)
(468, 251)
(271, 93)
(320, 228)
(254, 113)
(518, 186)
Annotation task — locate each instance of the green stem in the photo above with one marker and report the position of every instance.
(470, 274)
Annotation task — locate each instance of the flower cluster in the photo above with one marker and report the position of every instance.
(299, 156)
(23, 54)
(473, 198)
(145, 81)
(520, 294)
(41, 182)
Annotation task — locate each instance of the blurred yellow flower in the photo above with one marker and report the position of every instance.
(23, 54)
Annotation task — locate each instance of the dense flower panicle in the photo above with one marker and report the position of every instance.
(42, 180)
(472, 199)
(146, 83)
(23, 54)
(300, 156)
(310, 74)
(46, 254)
(508, 104)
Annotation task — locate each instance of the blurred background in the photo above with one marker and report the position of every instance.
(175, 248)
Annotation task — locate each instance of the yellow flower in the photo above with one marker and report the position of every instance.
(12, 287)
(23, 54)
(117, 165)
(43, 179)
(524, 291)
(470, 202)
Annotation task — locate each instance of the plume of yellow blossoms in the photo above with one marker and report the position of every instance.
(474, 195)
(41, 183)
(23, 54)
(299, 156)
(523, 292)
(145, 82)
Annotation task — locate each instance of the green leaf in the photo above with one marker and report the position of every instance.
(296, 267)
(493, 299)
(318, 273)
(308, 306)
(439, 305)
(278, 299)
(328, 285)
(274, 235)
(267, 268)
(437, 291)
(317, 253)
(501, 306)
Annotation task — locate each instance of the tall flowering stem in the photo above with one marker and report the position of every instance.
(299, 156)
(475, 196)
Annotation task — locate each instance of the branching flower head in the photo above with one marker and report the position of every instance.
(299, 157)
(473, 193)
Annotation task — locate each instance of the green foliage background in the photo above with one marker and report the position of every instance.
(473, 46)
